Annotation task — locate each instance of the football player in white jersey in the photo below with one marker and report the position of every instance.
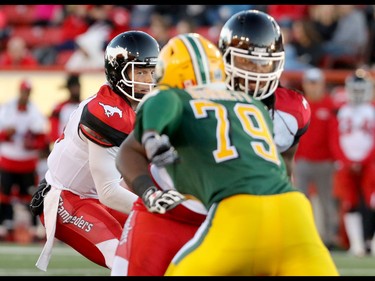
(353, 146)
(86, 202)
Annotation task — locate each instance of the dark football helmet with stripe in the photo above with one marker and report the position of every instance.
(129, 49)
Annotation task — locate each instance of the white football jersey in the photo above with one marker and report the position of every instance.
(356, 125)
(68, 163)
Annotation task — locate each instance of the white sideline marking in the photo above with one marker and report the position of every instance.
(54, 272)
(33, 250)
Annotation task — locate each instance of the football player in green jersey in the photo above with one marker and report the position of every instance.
(217, 146)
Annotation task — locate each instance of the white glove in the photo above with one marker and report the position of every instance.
(158, 149)
(160, 201)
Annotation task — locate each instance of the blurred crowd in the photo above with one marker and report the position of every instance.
(74, 36)
(26, 137)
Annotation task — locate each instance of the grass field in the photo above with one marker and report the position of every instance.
(19, 260)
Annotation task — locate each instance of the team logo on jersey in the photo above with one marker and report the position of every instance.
(111, 110)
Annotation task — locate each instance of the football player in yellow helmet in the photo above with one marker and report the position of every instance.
(163, 220)
(189, 60)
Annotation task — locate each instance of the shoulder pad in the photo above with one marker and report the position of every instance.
(294, 103)
(107, 119)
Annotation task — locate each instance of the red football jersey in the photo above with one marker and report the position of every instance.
(291, 117)
(314, 145)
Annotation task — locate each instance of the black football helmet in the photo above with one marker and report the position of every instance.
(129, 49)
(359, 87)
(256, 37)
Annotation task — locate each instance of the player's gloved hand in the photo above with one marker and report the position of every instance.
(158, 149)
(160, 201)
(37, 200)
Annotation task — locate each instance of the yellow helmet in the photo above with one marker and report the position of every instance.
(189, 60)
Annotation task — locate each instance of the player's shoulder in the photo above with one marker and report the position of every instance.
(109, 107)
(289, 99)
(293, 102)
(160, 94)
(109, 115)
(289, 96)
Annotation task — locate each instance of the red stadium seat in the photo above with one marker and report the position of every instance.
(51, 36)
(39, 36)
(19, 14)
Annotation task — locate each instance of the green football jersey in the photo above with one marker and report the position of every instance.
(224, 140)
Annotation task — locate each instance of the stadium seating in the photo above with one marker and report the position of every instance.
(38, 36)
(19, 15)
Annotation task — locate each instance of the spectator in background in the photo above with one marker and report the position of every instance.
(219, 14)
(185, 25)
(197, 13)
(61, 112)
(324, 17)
(307, 42)
(5, 30)
(73, 25)
(120, 18)
(292, 59)
(289, 12)
(140, 15)
(353, 145)
(90, 45)
(314, 160)
(160, 28)
(226, 11)
(351, 34)
(17, 54)
(22, 135)
(173, 13)
(48, 15)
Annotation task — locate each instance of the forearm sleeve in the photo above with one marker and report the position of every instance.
(108, 180)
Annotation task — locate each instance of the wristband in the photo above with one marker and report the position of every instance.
(147, 135)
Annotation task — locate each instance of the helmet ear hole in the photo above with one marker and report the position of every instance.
(129, 49)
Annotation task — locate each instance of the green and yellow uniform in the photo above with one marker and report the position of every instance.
(229, 161)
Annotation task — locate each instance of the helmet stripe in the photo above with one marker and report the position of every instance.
(199, 58)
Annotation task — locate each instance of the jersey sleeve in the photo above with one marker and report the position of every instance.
(108, 180)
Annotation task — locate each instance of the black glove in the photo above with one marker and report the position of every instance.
(158, 149)
(160, 201)
(36, 203)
